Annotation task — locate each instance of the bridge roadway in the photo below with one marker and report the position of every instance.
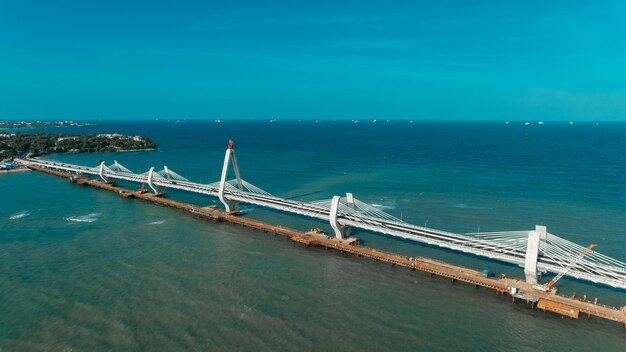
(518, 290)
(600, 273)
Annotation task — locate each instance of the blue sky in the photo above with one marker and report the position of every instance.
(433, 60)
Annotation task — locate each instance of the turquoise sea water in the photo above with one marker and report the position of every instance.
(84, 270)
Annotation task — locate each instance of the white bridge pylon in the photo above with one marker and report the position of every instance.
(536, 251)
(229, 159)
(119, 167)
(349, 206)
(235, 185)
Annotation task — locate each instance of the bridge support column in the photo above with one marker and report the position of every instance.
(167, 172)
(340, 231)
(229, 158)
(532, 252)
(350, 200)
(101, 173)
(150, 178)
(117, 166)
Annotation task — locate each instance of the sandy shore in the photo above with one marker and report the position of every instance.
(12, 171)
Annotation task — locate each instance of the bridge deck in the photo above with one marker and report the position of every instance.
(517, 289)
(549, 253)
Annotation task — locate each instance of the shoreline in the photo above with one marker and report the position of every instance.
(13, 171)
(112, 151)
(25, 169)
(132, 150)
(45, 143)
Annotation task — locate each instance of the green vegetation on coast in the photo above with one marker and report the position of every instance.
(14, 145)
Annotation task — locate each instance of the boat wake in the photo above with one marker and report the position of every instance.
(159, 222)
(246, 209)
(85, 218)
(384, 206)
(465, 206)
(19, 215)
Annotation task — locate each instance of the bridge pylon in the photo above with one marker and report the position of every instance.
(150, 181)
(340, 230)
(229, 158)
(167, 173)
(532, 253)
(101, 172)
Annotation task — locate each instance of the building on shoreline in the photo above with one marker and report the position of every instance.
(8, 165)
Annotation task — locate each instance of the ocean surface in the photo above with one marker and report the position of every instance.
(84, 270)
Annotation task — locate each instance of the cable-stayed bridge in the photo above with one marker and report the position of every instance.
(537, 251)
